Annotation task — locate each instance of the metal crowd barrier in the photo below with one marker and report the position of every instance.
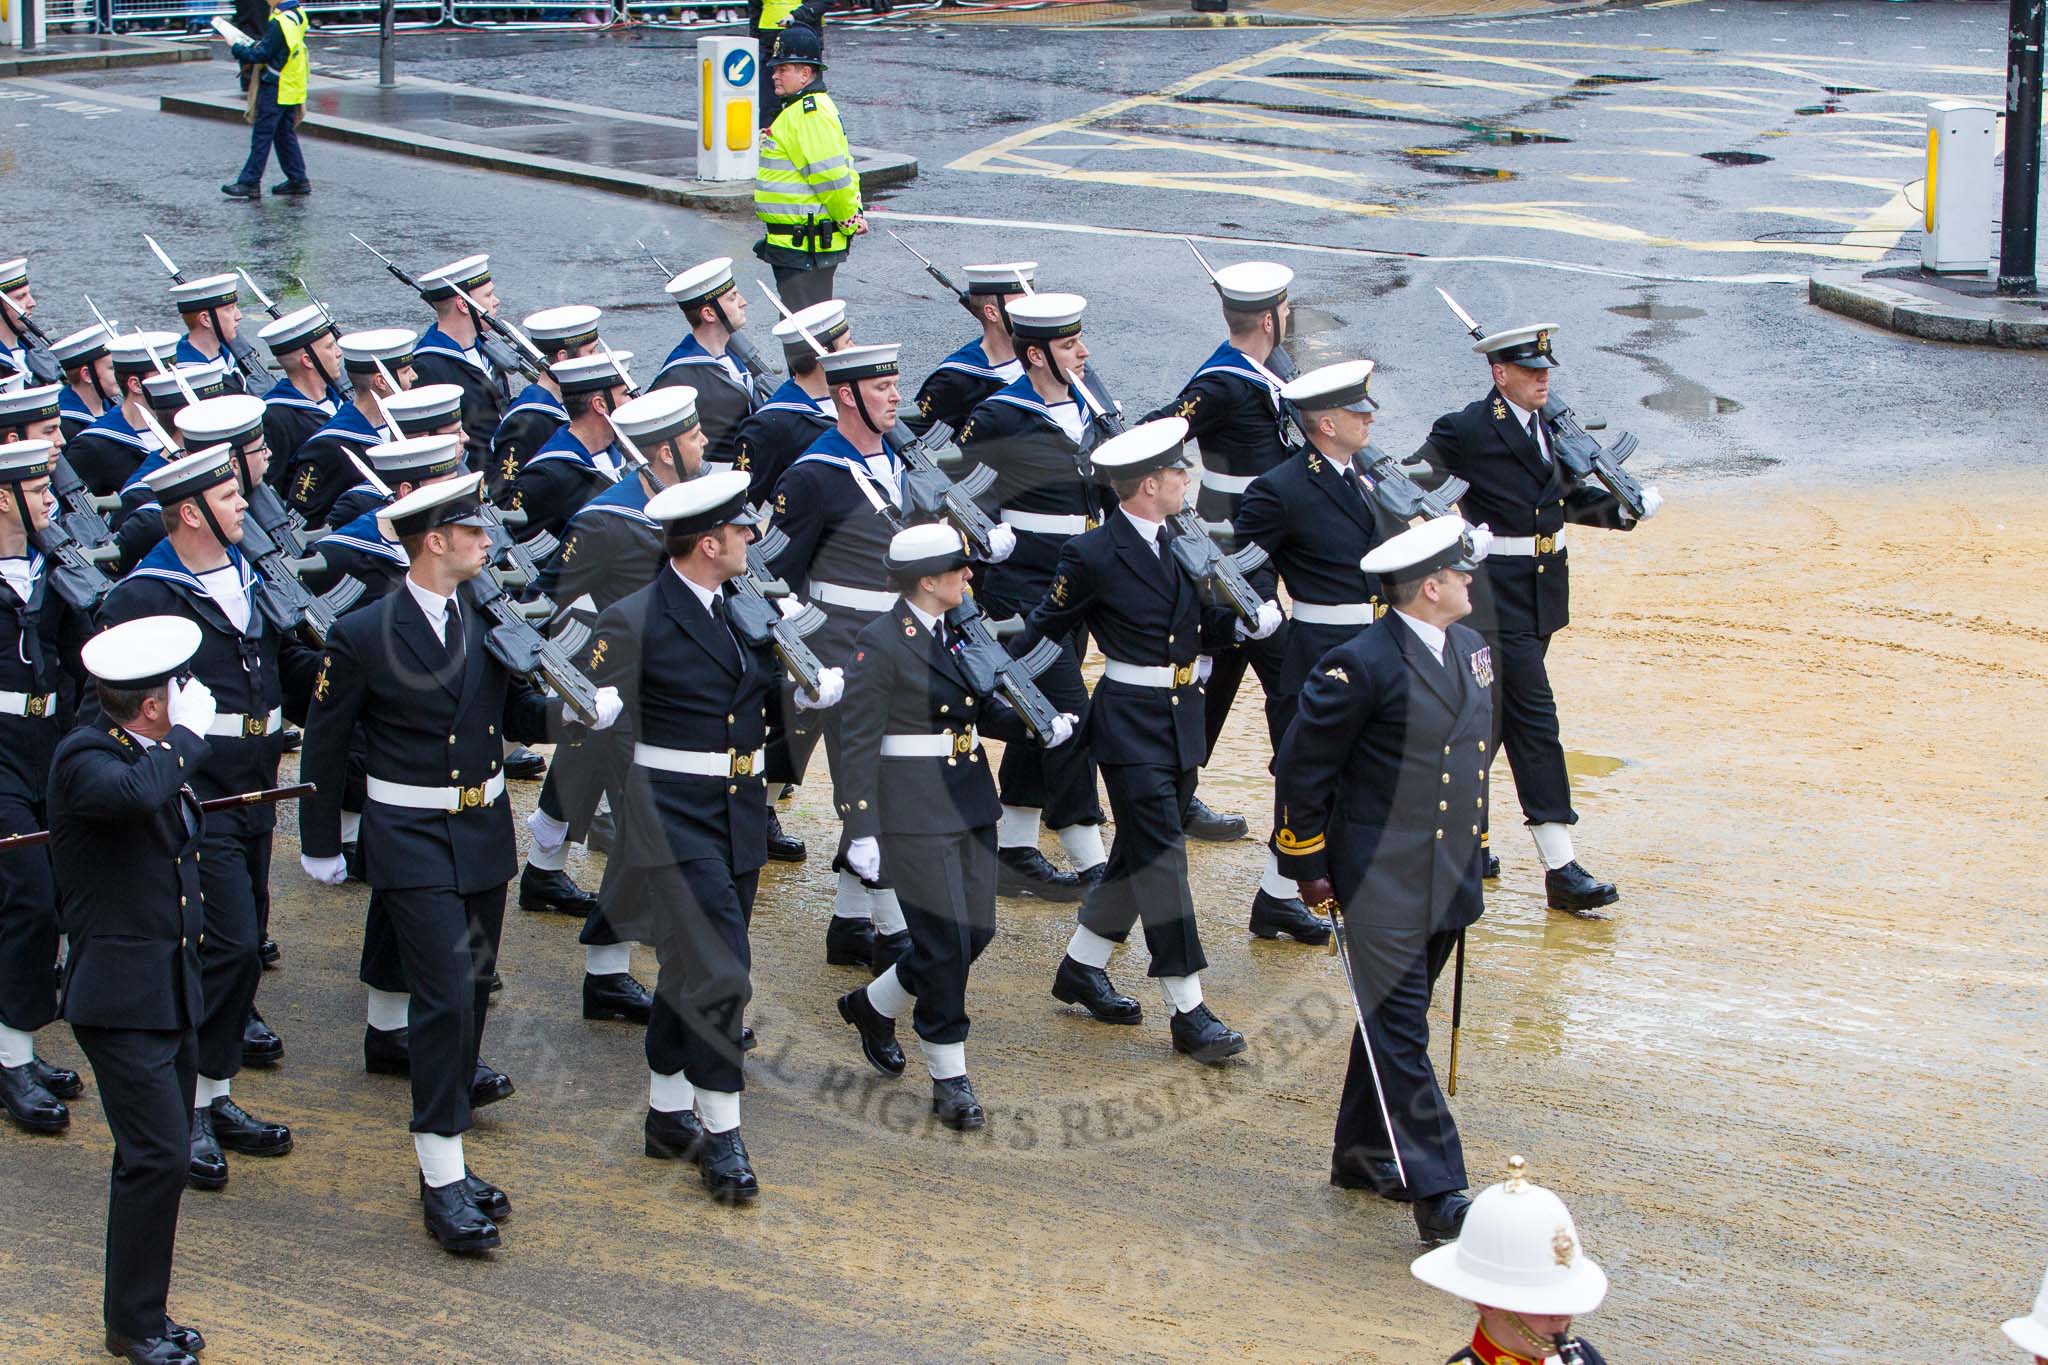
(340, 16)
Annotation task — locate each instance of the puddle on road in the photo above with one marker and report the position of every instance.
(1684, 398)
(1431, 159)
(1592, 765)
(1657, 312)
(1737, 158)
(1604, 78)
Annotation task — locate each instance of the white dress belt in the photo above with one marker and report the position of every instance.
(1148, 675)
(854, 599)
(931, 746)
(231, 725)
(1048, 523)
(1336, 613)
(28, 704)
(450, 799)
(1227, 483)
(1525, 546)
(699, 762)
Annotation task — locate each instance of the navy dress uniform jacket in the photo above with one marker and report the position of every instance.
(108, 452)
(530, 423)
(438, 360)
(1233, 413)
(835, 535)
(768, 441)
(610, 549)
(959, 385)
(289, 421)
(723, 402)
(1039, 468)
(556, 481)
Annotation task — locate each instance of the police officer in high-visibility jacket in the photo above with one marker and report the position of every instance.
(277, 101)
(806, 192)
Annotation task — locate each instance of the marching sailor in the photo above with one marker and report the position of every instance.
(1504, 447)
(359, 548)
(919, 799)
(417, 672)
(562, 333)
(321, 470)
(34, 413)
(1381, 785)
(581, 459)
(304, 344)
(1125, 585)
(89, 384)
(212, 313)
(108, 451)
(422, 410)
(452, 351)
(14, 341)
(138, 521)
(980, 368)
(714, 308)
(801, 410)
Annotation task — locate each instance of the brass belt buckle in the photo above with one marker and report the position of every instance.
(1183, 674)
(963, 743)
(1092, 523)
(472, 797)
(1545, 544)
(36, 706)
(254, 727)
(741, 765)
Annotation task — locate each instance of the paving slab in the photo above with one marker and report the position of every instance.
(62, 52)
(1937, 308)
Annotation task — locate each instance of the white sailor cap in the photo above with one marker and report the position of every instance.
(1253, 284)
(1046, 316)
(424, 408)
(300, 327)
(209, 379)
(1445, 542)
(416, 459)
(232, 417)
(22, 461)
(1519, 1250)
(872, 361)
(1001, 277)
(598, 373)
(196, 296)
(14, 273)
(1149, 446)
(444, 502)
(1528, 347)
(932, 547)
(22, 406)
(467, 273)
(826, 321)
(190, 475)
(658, 414)
(697, 505)
(82, 347)
(1342, 385)
(2030, 1333)
(701, 282)
(138, 352)
(392, 345)
(143, 653)
(564, 328)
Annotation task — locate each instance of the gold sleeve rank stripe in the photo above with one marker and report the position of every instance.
(1290, 842)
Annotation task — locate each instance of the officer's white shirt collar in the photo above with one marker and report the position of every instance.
(1522, 416)
(145, 741)
(705, 596)
(1432, 637)
(929, 622)
(1147, 528)
(433, 604)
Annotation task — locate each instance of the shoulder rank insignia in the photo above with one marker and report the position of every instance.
(1059, 591)
(598, 651)
(306, 478)
(1187, 409)
(924, 405)
(569, 549)
(510, 469)
(320, 683)
(810, 104)
(1500, 411)
(1339, 674)
(781, 503)
(120, 736)
(743, 459)
(1315, 462)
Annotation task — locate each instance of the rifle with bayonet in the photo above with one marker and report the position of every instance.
(966, 299)
(493, 338)
(339, 379)
(760, 621)
(994, 672)
(763, 388)
(1405, 498)
(247, 358)
(1583, 457)
(42, 365)
(73, 574)
(515, 643)
(82, 515)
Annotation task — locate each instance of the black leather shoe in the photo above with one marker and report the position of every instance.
(1203, 823)
(29, 1102)
(62, 1082)
(184, 1338)
(352, 861)
(488, 1086)
(292, 739)
(260, 1046)
(387, 1052)
(849, 942)
(783, 847)
(887, 951)
(616, 997)
(672, 1137)
(1441, 1217)
(954, 1105)
(748, 1042)
(556, 891)
(1272, 917)
(454, 1219)
(1491, 871)
(1378, 1174)
(1572, 888)
(292, 188)
(524, 765)
(209, 1168)
(269, 953)
(1027, 872)
(494, 983)
(722, 1159)
(1090, 987)
(490, 1201)
(239, 1131)
(604, 832)
(237, 190)
(1200, 1034)
(877, 1033)
(150, 1350)
(1091, 877)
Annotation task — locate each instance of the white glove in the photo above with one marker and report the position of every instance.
(831, 687)
(1482, 541)
(864, 858)
(1002, 540)
(608, 708)
(193, 707)
(1652, 500)
(1062, 729)
(1269, 621)
(327, 871)
(1205, 664)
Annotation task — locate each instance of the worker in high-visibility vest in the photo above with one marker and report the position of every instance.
(277, 100)
(806, 192)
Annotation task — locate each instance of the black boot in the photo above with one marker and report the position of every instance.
(151, 1350)
(1272, 917)
(616, 997)
(1491, 872)
(454, 1219)
(1091, 877)
(184, 1338)
(235, 189)
(1203, 823)
(236, 1129)
(292, 188)
(488, 1085)
(260, 1046)
(748, 1042)
(888, 949)
(387, 1052)
(1027, 872)
(29, 1102)
(849, 942)
(524, 765)
(954, 1104)
(722, 1160)
(60, 1081)
(490, 1200)
(1441, 1217)
(672, 1137)
(270, 953)
(783, 847)
(1378, 1174)
(1571, 888)
(877, 1032)
(540, 889)
(1200, 1034)
(209, 1168)
(1090, 987)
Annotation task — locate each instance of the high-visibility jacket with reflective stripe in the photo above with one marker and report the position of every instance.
(807, 173)
(291, 78)
(775, 13)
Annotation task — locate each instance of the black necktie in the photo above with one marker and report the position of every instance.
(1534, 419)
(451, 634)
(724, 625)
(1357, 482)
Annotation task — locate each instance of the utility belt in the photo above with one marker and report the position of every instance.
(948, 744)
(700, 762)
(1523, 547)
(1049, 523)
(818, 232)
(229, 725)
(450, 799)
(1338, 613)
(33, 705)
(853, 599)
(1148, 675)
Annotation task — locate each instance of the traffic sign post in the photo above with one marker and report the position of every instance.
(729, 85)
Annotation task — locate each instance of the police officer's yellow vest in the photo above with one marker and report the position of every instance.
(806, 176)
(291, 79)
(775, 13)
